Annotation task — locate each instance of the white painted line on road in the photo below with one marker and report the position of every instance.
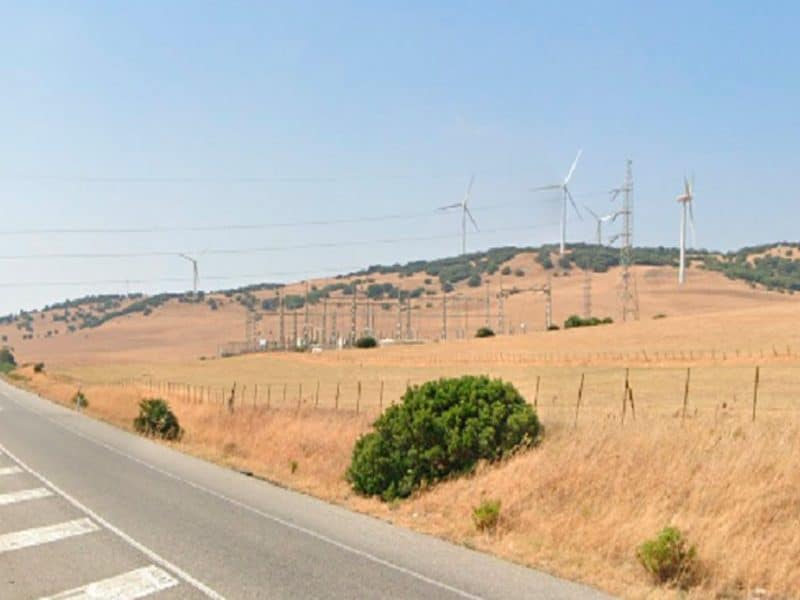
(10, 471)
(23, 495)
(45, 535)
(129, 586)
(275, 519)
(199, 585)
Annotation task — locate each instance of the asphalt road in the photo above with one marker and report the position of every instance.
(89, 511)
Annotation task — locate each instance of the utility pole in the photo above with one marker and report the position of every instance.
(282, 321)
(324, 333)
(587, 293)
(399, 327)
(250, 329)
(409, 333)
(294, 329)
(335, 333)
(501, 309)
(306, 332)
(548, 307)
(628, 297)
(488, 306)
(466, 316)
(353, 316)
(444, 316)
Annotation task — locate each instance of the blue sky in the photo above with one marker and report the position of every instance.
(143, 114)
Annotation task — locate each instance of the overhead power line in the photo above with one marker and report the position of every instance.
(241, 226)
(263, 249)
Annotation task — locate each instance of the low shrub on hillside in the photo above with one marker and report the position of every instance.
(7, 361)
(79, 400)
(440, 428)
(484, 332)
(576, 321)
(366, 341)
(486, 515)
(669, 559)
(38, 367)
(157, 420)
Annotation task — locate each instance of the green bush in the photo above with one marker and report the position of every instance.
(474, 280)
(576, 321)
(484, 332)
(366, 341)
(441, 428)
(79, 400)
(505, 270)
(668, 559)
(7, 358)
(157, 420)
(486, 515)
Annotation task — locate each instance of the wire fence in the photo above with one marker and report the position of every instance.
(558, 394)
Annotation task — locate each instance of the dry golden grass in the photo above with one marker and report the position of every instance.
(578, 505)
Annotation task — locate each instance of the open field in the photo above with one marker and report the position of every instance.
(580, 503)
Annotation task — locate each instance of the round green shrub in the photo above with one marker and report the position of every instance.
(366, 341)
(484, 332)
(7, 357)
(441, 428)
(157, 420)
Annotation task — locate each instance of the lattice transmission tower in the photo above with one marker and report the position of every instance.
(628, 296)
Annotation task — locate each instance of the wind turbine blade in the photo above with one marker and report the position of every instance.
(469, 189)
(575, 206)
(450, 206)
(591, 212)
(572, 168)
(555, 186)
(474, 224)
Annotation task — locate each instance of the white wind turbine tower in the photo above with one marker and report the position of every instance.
(686, 199)
(600, 221)
(195, 272)
(566, 195)
(463, 205)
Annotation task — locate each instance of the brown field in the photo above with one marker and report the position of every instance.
(580, 503)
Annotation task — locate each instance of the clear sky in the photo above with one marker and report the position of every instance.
(195, 114)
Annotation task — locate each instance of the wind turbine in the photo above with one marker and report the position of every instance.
(600, 221)
(195, 272)
(463, 205)
(686, 200)
(565, 195)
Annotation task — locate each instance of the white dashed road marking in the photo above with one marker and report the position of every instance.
(21, 496)
(45, 535)
(153, 556)
(10, 471)
(129, 586)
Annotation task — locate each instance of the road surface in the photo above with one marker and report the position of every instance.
(90, 511)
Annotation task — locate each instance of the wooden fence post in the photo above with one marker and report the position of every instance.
(380, 399)
(284, 394)
(625, 395)
(336, 405)
(316, 396)
(231, 398)
(686, 395)
(536, 394)
(255, 394)
(580, 396)
(358, 398)
(299, 394)
(269, 395)
(755, 391)
(633, 406)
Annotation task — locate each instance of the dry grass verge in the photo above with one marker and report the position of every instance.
(579, 505)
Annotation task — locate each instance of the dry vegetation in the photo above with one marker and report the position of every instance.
(581, 503)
